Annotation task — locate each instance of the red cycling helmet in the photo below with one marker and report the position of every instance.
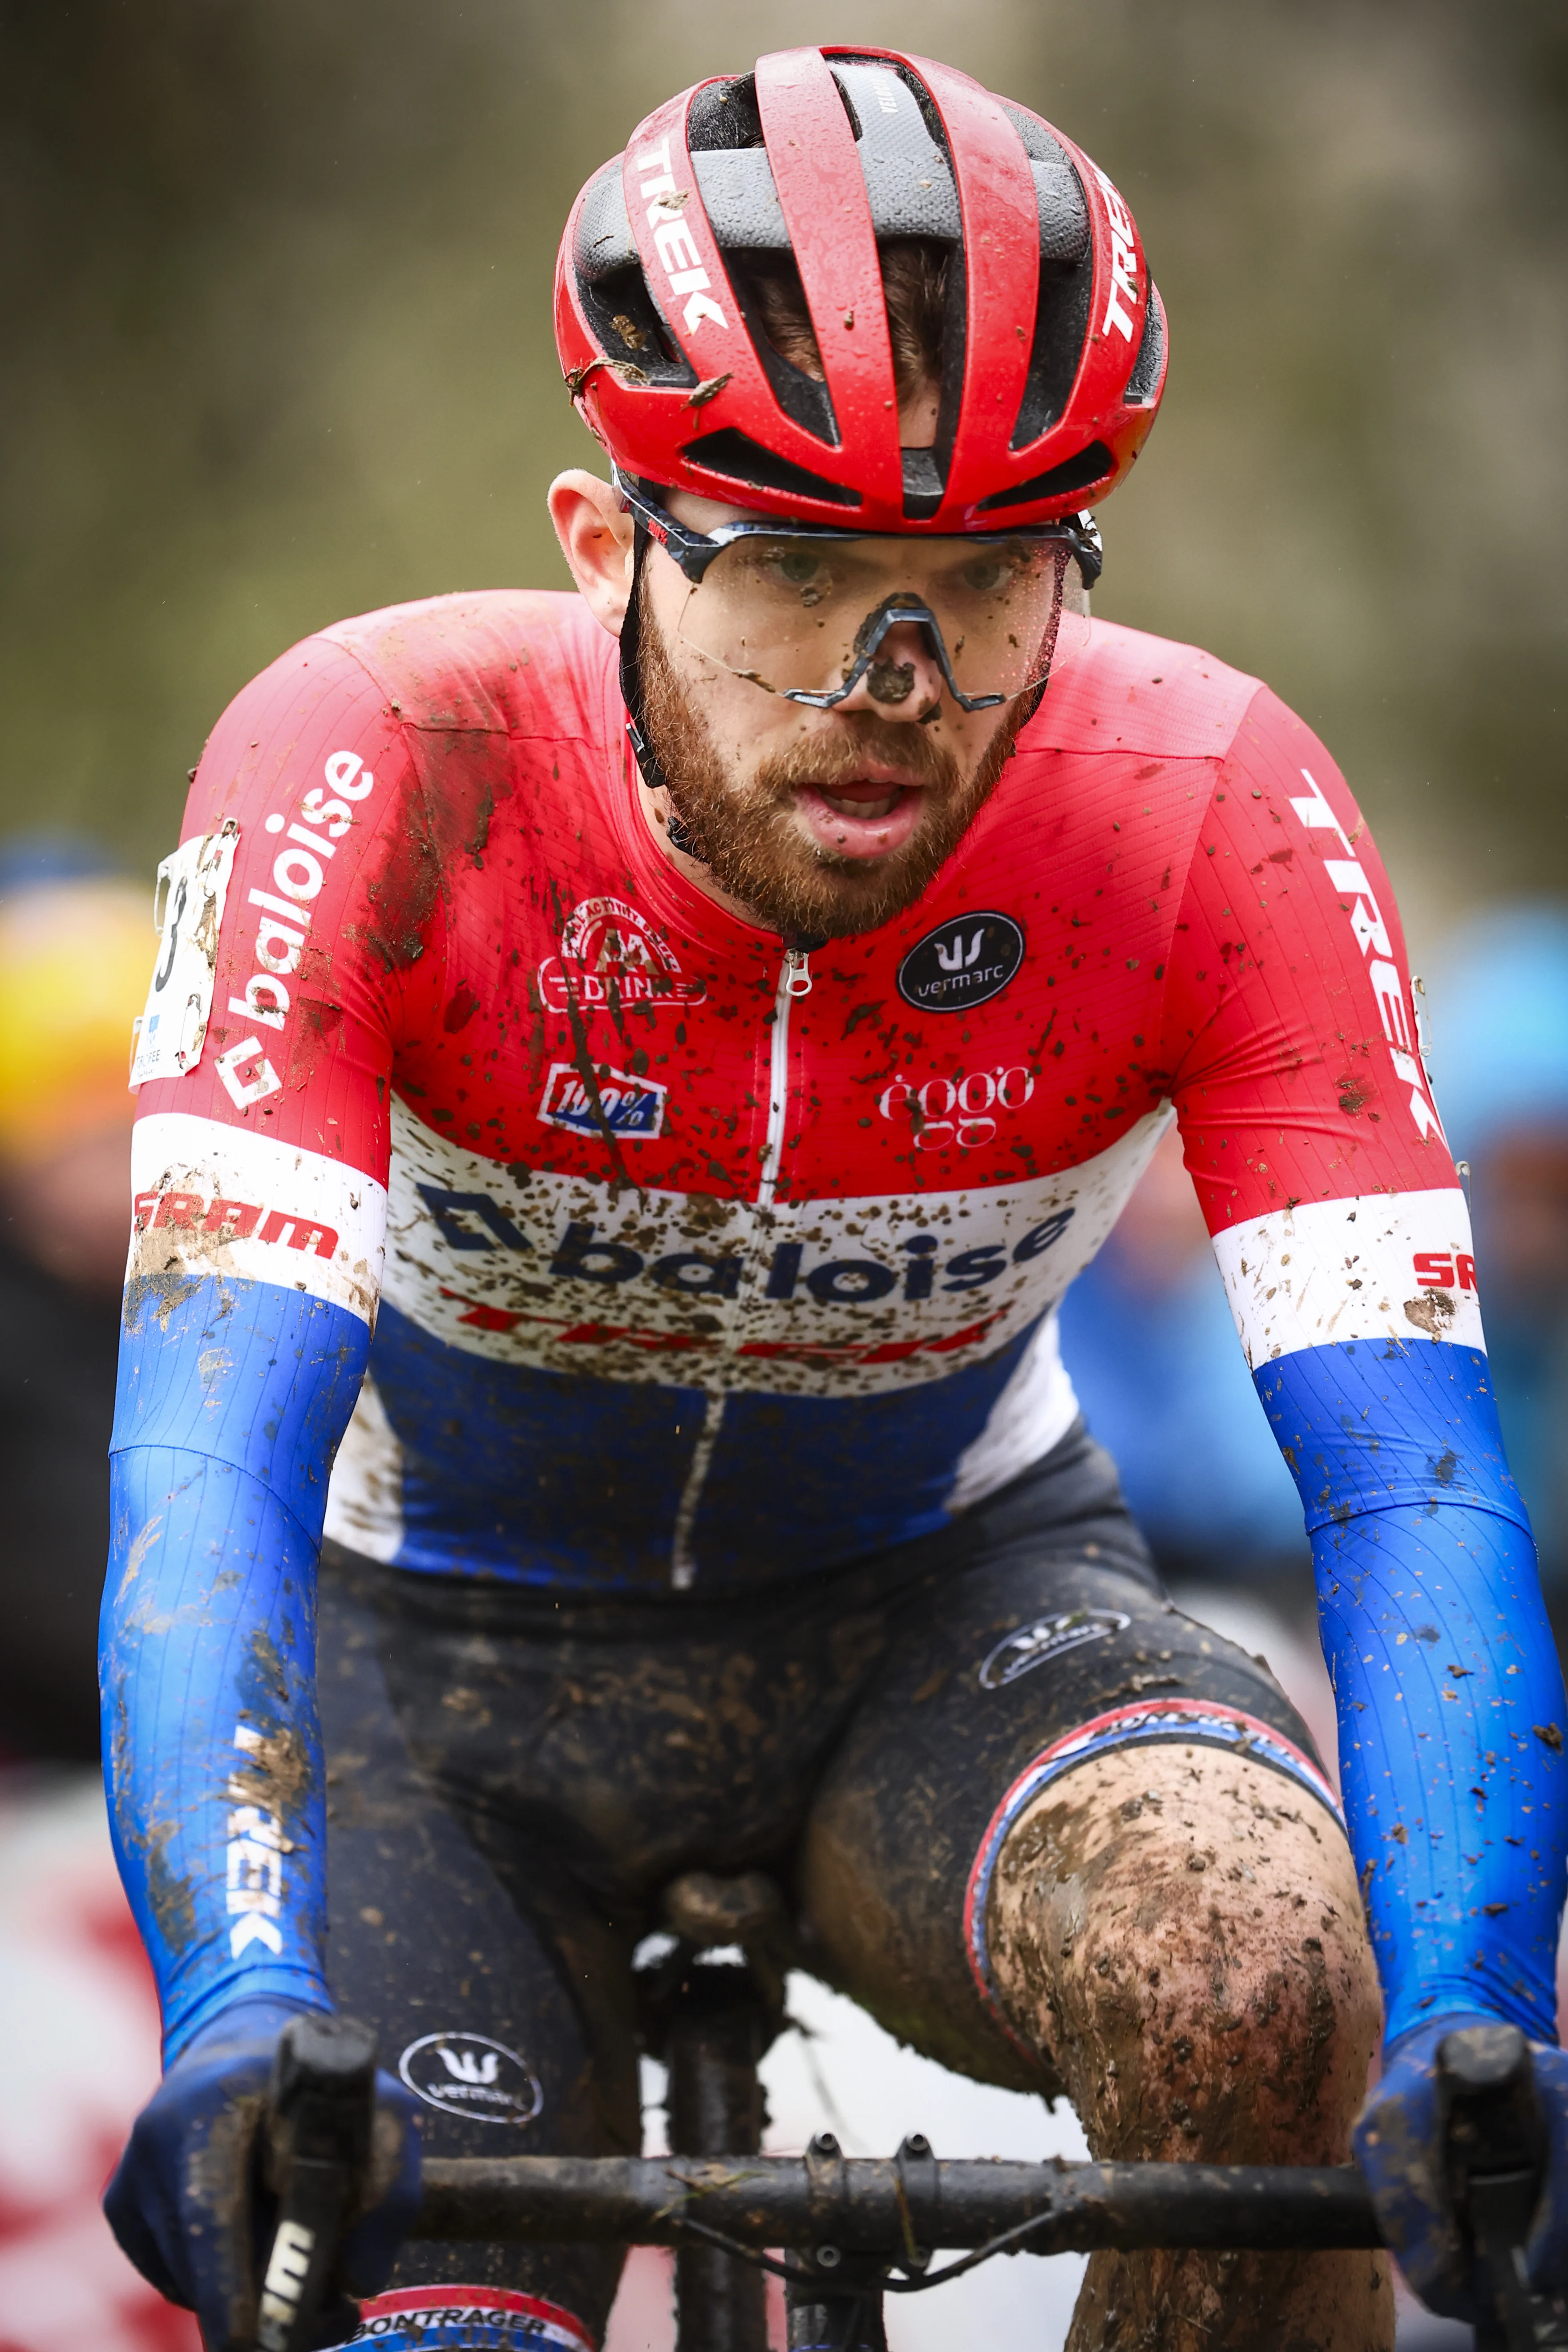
(1054, 342)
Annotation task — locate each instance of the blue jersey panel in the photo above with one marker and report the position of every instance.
(1449, 1693)
(207, 1669)
(800, 1481)
(246, 1372)
(497, 1458)
(1371, 1423)
(233, 1396)
(547, 1479)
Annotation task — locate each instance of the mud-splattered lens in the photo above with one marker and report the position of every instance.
(797, 614)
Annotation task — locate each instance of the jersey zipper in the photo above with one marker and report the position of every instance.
(795, 979)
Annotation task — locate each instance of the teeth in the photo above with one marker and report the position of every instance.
(883, 807)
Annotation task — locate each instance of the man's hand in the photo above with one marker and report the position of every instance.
(1400, 2146)
(188, 2203)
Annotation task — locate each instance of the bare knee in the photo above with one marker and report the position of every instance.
(1180, 1930)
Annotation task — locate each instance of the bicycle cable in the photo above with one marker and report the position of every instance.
(796, 2272)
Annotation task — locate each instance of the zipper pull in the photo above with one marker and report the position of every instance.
(798, 971)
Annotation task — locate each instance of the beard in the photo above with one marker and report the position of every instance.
(746, 831)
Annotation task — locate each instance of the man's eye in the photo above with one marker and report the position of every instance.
(985, 575)
(799, 566)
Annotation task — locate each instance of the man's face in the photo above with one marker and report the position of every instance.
(821, 822)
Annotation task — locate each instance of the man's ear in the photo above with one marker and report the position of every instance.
(596, 538)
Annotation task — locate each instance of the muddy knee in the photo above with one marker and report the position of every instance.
(1180, 1929)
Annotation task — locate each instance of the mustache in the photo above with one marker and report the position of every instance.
(838, 755)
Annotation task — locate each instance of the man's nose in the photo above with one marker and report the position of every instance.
(903, 679)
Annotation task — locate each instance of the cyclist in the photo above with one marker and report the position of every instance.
(700, 1026)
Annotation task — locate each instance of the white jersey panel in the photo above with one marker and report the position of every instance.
(848, 1297)
(1036, 1408)
(214, 1199)
(1380, 1265)
(364, 1500)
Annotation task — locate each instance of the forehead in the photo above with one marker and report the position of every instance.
(710, 514)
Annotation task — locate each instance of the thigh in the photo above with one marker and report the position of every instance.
(509, 2017)
(1052, 1642)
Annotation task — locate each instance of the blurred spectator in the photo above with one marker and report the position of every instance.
(1498, 1000)
(79, 2053)
(1148, 1338)
(76, 950)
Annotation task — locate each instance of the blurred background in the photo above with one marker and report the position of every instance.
(276, 280)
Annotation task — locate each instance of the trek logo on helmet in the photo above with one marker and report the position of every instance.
(676, 250)
(1123, 262)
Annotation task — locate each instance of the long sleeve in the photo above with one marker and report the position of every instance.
(1342, 1235)
(259, 1164)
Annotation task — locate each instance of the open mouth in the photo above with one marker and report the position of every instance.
(860, 816)
(861, 800)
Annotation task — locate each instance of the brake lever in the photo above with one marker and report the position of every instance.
(1495, 2149)
(316, 2152)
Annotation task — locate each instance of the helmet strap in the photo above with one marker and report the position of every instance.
(648, 760)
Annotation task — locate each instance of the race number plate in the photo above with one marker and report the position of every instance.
(187, 910)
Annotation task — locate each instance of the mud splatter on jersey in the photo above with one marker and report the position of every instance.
(680, 1278)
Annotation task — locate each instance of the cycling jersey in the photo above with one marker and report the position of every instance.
(693, 1263)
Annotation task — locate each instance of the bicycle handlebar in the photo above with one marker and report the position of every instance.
(872, 2204)
(893, 2211)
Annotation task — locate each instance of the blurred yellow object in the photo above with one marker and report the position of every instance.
(75, 958)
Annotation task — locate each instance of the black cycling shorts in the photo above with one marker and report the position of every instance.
(514, 1775)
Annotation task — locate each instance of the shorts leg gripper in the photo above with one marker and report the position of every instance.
(1198, 1722)
(469, 2319)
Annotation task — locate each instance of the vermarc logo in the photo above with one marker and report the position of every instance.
(471, 2075)
(963, 963)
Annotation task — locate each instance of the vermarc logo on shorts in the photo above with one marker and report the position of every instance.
(1047, 1637)
(471, 2075)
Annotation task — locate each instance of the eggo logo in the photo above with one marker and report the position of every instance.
(677, 247)
(958, 1110)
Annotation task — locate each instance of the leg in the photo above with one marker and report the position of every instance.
(513, 2048)
(1084, 1921)
(1180, 1932)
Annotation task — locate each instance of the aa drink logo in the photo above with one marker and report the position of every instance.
(612, 956)
(963, 963)
(625, 1106)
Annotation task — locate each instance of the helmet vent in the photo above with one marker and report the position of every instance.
(1080, 473)
(742, 460)
(923, 484)
(1145, 379)
(624, 317)
(723, 116)
(1061, 330)
(605, 241)
(800, 390)
(741, 200)
(909, 180)
(1064, 215)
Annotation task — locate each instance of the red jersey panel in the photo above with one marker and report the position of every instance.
(477, 1059)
